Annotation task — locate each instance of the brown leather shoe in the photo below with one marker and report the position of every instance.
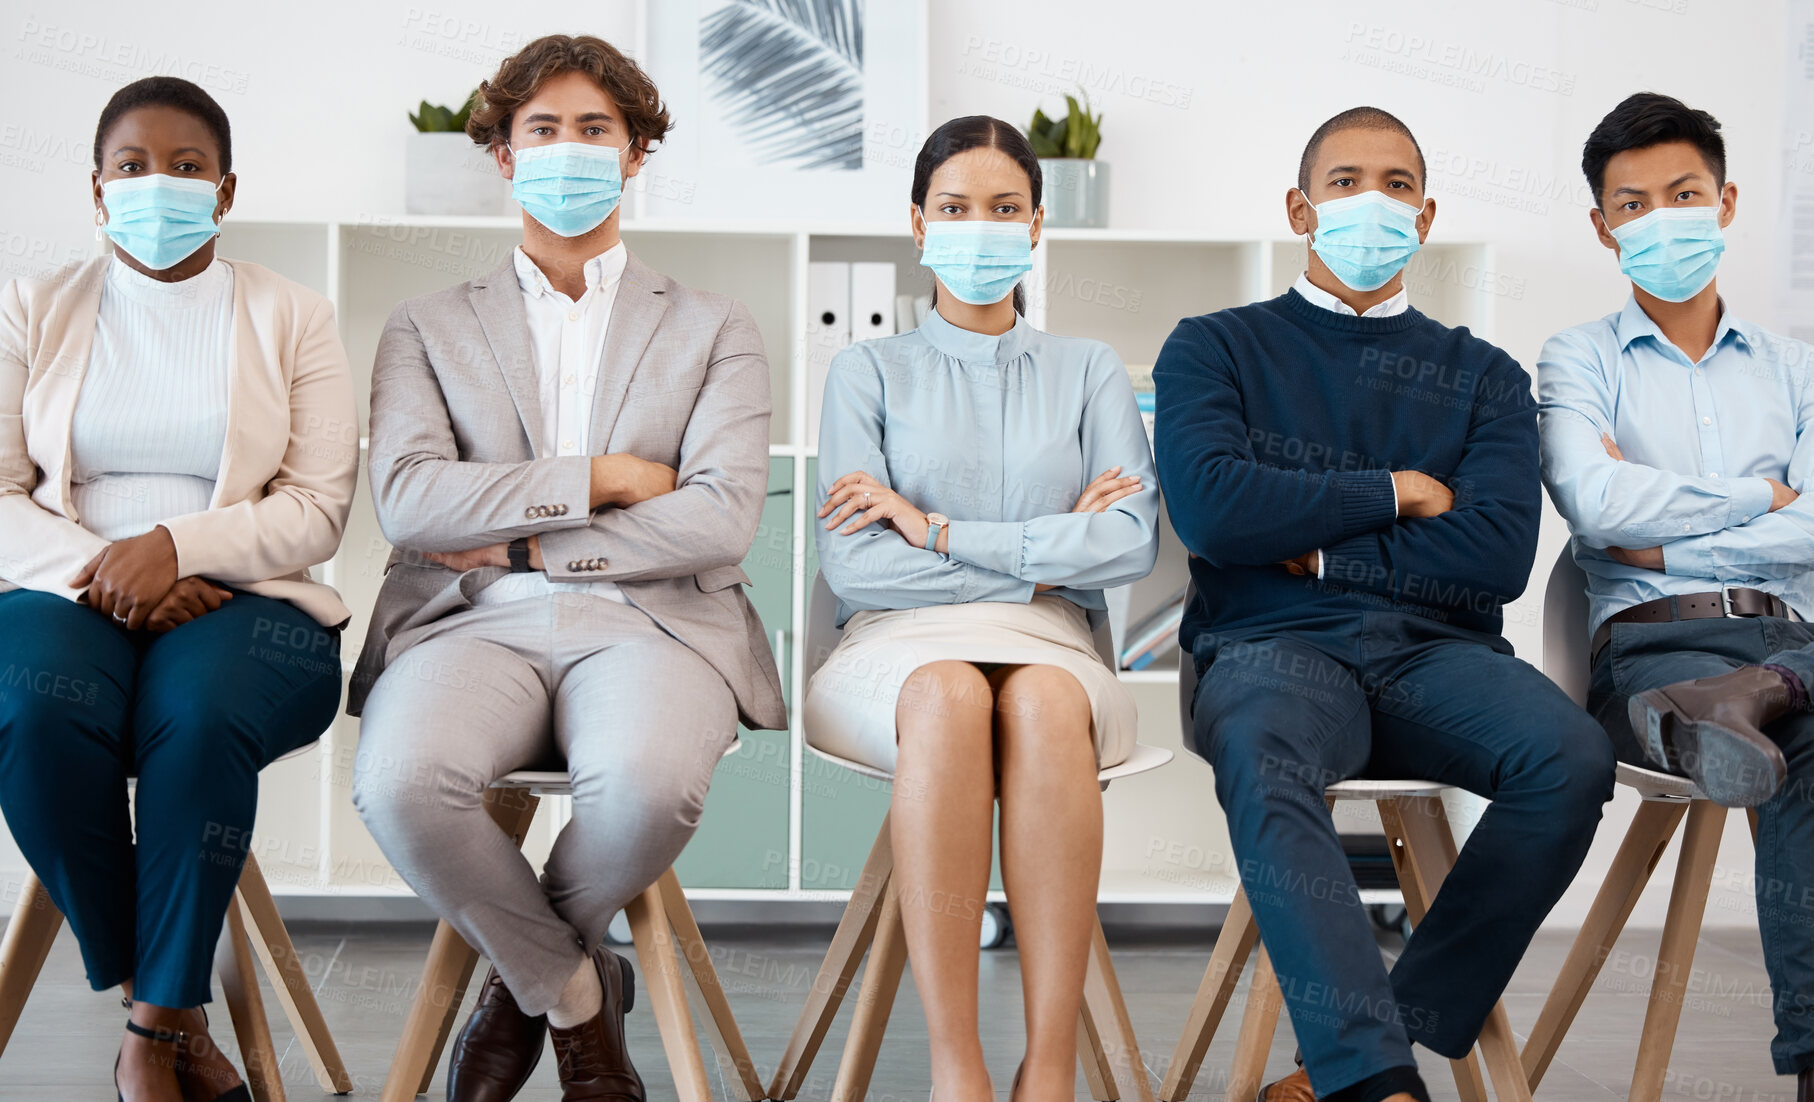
(1710, 730)
(1293, 1088)
(594, 1057)
(499, 1047)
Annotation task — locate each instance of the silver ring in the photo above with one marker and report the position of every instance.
(865, 495)
(118, 619)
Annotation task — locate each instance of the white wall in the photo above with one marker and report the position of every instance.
(1206, 107)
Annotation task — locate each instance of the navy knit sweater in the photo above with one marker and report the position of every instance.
(1278, 427)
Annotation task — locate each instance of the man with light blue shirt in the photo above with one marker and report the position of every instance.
(1674, 440)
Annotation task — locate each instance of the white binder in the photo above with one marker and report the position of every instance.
(871, 300)
(827, 330)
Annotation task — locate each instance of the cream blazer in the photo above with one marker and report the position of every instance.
(286, 475)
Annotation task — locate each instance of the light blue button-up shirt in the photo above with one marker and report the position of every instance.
(1001, 434)
(1699, 440)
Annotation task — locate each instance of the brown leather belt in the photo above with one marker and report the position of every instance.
(1718, 604)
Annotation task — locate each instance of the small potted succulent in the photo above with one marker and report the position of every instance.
(444, 173)
(1076, 183)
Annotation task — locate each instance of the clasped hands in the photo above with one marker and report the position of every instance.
(862, 500)
(134, 581)
(1651, 558)
(620, 480)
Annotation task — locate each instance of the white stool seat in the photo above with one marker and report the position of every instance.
(1652, 785)
(1143, 758)
(1364, 789)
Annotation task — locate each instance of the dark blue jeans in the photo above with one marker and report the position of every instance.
(1391, 695)
(1648, 656)
(194, 714)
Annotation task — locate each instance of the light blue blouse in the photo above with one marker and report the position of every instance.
(999, 433)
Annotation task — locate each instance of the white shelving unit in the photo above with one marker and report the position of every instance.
(780, 825)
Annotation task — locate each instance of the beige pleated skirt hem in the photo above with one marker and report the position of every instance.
(850, 702)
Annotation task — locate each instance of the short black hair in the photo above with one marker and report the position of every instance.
(1647, 119)
(1355, 118)
(167, 92)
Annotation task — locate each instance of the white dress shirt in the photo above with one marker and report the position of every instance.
(1397, 304)
(1316, 296)
(150, 424)
(567, 341)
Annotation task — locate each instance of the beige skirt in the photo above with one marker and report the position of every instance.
(850, 702)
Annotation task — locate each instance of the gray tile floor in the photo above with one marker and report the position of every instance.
(63, 1049)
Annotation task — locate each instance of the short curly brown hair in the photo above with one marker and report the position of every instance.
(525, 71)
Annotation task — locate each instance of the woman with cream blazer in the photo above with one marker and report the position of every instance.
(178, 444)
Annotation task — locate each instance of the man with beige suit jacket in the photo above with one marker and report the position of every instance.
(570, 455)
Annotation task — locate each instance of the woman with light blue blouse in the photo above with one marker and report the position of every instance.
(981, 483)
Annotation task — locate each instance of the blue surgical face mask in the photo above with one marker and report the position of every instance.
(979, 262)
(1672, 252)
(570, 187)
(160, 220)
(1365, 239)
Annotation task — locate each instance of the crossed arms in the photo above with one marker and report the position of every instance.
(641, 519)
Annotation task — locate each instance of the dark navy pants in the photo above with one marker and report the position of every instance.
(1649, 656)
(194, 714)
(1282, 715)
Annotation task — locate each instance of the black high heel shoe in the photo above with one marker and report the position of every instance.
(239, 1093)
(162, 1036)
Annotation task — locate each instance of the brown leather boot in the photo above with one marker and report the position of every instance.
(1293, 1088)
(594, 1056)
(499, 1047)
(1710, 730)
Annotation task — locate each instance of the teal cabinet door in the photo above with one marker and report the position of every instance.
(742, 838)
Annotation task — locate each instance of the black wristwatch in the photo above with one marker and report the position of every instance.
(519, 556)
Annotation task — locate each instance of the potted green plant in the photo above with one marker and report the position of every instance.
(1076, 183)
(444, 172)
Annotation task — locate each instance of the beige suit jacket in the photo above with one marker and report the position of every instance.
(457, 462)
(286, 474)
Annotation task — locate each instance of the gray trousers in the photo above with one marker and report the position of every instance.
(638, 719)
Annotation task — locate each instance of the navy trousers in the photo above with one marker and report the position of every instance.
(1649, 656)
(1282, 715)
(194, 714)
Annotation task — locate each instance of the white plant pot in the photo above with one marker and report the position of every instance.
(1076, 191)
(445, 173)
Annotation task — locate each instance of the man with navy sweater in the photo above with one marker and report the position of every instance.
(1358, 487)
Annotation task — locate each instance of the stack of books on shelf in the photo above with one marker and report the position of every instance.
(1154, 635)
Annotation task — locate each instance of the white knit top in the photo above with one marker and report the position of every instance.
(151, 421)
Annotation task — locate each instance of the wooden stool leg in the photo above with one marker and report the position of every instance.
(29, 935)
(653, 934)
(1234, 944)
(1675, 956)
(874, 1002)
(1651, 828)
(1258, 1025)
(1092, 1053)
(1420, 859)
(702, 983)
(446, 973)
(1102, 995)
(246, 1006)
(271, 942)
(856, 930)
